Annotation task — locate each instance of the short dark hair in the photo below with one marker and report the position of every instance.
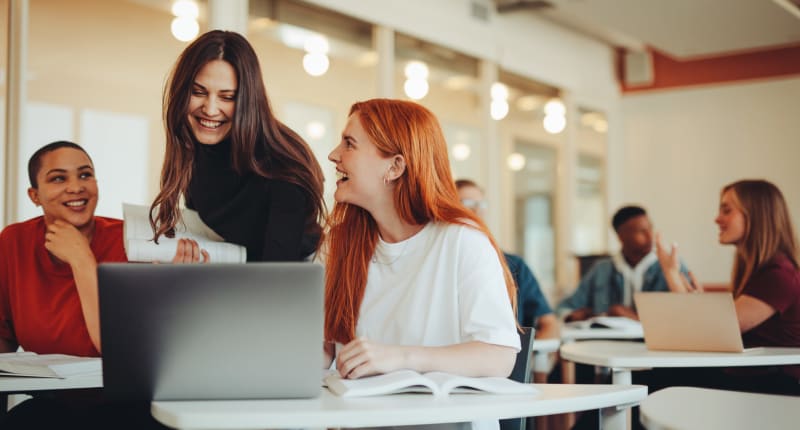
(624, 214)
(461, 183)
(35, 162)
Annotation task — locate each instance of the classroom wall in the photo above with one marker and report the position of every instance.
(681, 146)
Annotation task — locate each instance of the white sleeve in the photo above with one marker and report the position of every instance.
(484, 307)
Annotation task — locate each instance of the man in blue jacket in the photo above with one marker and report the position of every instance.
(608, 287)
(532, 307)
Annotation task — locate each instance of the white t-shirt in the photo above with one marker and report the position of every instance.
(442, 286)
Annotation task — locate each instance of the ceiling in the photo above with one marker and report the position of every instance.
(680, 28)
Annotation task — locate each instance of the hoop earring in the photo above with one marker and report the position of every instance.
(386, 177)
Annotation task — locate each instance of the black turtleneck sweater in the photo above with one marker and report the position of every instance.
(267, 216)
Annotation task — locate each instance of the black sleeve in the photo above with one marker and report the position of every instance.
(288, 210)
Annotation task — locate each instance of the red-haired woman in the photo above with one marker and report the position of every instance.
(753, 216)
(413, 279)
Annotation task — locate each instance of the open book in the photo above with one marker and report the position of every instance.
(618, 323)
(47, 365)
(409, 381)
(139, 245)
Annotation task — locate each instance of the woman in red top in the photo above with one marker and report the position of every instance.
(753, 216)
(48, 272)
(48, 286)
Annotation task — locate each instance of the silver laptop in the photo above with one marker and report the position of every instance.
(211, 331)
(689, 322)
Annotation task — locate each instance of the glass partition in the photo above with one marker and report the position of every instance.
(446, 82)
(316, 64)
(531, 158)
(591, 216)
(534, 168)
(96, 69)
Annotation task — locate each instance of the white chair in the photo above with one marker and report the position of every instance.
(679, 408)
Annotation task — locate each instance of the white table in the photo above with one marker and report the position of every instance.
(20, 384)
(702, 408)
(542, 348)
(623, 357)
(10, 385)
(402, 409)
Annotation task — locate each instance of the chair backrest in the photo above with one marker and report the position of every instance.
(522, 367)
(521, 373)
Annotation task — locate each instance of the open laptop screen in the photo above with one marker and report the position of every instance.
(211, 331)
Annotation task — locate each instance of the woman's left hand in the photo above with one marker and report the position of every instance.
(362, 357)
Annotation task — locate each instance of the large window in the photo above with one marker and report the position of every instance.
(531, 157)
(590, 213)
(316, 63)
(534, 169)
(446, 82)
(94, 76)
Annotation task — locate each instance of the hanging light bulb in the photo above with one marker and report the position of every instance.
(461, 151)
(416, 88)
(554, 124)
(498, 108)
(185, 9)
(184, 26)
(315, 63)
(184, 29)
(555, 107)
(516, 161)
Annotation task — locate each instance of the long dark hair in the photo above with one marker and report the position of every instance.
(260, 143)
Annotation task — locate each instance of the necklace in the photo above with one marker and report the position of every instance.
(377, 260)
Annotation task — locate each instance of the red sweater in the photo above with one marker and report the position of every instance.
(39, 304)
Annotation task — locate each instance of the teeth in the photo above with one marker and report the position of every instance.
(76, 203)
(341, 175)
(210, 124)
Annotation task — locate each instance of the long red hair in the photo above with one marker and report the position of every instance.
(424, 193)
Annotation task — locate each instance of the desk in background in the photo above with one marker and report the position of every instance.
(400, 409)
(623, 357)
(707, 409)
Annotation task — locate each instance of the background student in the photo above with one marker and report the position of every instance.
(414, 280)
(253, 180)
(753, 217)
(608, 287)
(48, 287)
(532, 307)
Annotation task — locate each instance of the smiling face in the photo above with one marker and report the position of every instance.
(730, 219)
(66, 188)
(360, 168)
(213, 102)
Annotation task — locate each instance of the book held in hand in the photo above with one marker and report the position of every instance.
(139, 244)
(47, 365)
(409, 381)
